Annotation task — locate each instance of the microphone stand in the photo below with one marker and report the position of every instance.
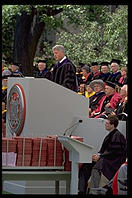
(79, 121)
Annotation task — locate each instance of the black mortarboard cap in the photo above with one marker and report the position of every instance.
(104, 63)
(111, 84)
(115, 61)
(16, 64)
(41, 61)
(94, 63)
(81, 64)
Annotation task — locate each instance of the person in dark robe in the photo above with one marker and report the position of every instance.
(81, 90)
(112, 154)
(108, 103)
(98, 87)
(42, 69)
(121, 109)
(124, 78)
(116, 74)
(5, 74)
(95, 71)
(86, 78)
(79, 73)
(64, 72)
(15, 68)
(105, 74)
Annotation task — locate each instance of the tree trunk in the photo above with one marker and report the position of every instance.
(112, 8)
(26, 37)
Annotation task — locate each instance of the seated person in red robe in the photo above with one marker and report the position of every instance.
(108, 102)
(86, 78)
(121, 109)
(95, 71)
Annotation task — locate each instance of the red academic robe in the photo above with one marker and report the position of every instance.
(113, 102)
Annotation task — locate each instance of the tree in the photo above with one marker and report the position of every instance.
(99, 40)
(29, 22)
(23, 25)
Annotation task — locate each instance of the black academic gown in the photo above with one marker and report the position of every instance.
(105, 77)
(114, 77)
(64, 74)
(96, 76)
(94, 100)
(113, 154)
(41, 74)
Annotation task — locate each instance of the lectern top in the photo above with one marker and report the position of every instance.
(66, 138)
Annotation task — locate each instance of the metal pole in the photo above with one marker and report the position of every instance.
(74, 178)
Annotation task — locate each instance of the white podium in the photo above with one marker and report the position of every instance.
(79, 152)
(49, 108)
(39, 107)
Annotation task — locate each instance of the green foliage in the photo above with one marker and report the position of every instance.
(47, 55)
(9, 13)
(116, 34)
(108, 35)
(101, 35)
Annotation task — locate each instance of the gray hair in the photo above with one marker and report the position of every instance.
(125, 87)
(58, 48)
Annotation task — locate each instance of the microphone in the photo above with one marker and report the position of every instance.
(79, 121)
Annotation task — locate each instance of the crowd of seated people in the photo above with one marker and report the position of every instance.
(106, 84)
(95, 81)
(11, 70)
(109, 89)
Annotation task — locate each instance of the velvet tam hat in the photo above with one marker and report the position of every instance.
(41, 61)
(94, 63)
(110, 84)
(115, 61)
(104, 63)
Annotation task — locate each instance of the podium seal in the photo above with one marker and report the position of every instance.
(16, 109)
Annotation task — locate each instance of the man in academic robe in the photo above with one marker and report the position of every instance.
(105, 74)
(108, 103)
(95, 71)
(42, 69)
(79, 73)
(116, 74)
(15, 68)
(111, 155)
(64, 72)
(108, 160)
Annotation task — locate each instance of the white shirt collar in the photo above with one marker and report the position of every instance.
(62, 59)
